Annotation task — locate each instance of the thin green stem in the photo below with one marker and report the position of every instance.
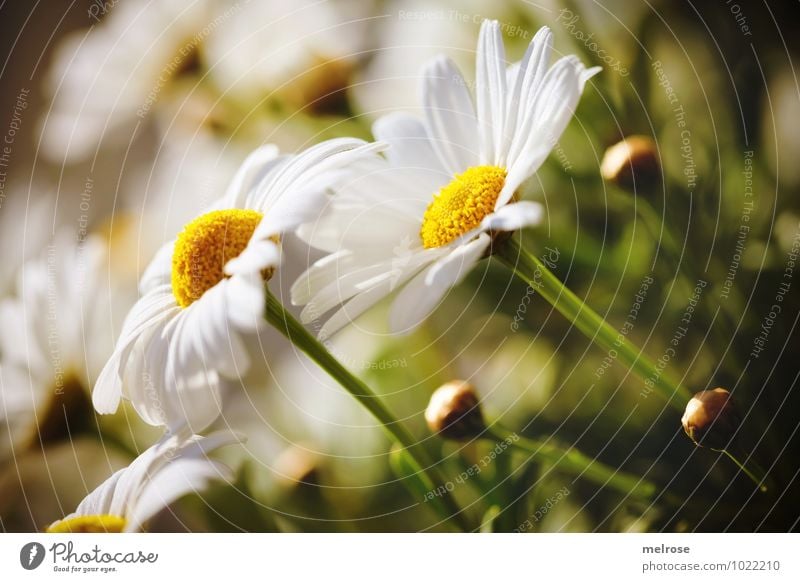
(428, 471)
(573, 462)
(531, 270)
(503, 481)
(758, 481)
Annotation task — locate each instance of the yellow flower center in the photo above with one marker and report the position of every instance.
(460, 206)
(203, 248)
(89, 524)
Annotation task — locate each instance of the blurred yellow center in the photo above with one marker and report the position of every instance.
(460, 206)
(89, 524)
(203, 248)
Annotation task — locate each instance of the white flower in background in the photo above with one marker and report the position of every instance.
(449, 183)
(107, 79)
(183, 341)
(175, 466)
(413, 32)
(302, 49)
(103, 77)
(56, 335)
(21, 232)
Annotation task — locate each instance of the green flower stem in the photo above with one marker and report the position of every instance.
(428, 472)
(760, 481)
(506, 519)
(572, 462)
(531, 270)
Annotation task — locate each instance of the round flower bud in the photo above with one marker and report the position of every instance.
(711, 419)
(633, 162)
(454, 411)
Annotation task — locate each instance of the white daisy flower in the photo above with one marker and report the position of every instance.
(21, 235)
(175, 466)
(56, 336)
(183, 341)
(300, 50)
(103, 77)
(107, 79)
(414, 32)
(424, 216)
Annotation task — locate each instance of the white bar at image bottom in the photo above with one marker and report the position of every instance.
(389, 557)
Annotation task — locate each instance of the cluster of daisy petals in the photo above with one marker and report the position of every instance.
(440, 186)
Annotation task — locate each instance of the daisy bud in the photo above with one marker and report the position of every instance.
(631, 162)
(711, 420)
(454, 411)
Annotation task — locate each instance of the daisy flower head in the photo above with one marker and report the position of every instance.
(55, 337)
(183, 342)
(175, 466)
(104, 78)
(420, 218)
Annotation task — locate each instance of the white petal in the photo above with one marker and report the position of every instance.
(424, 292)
(98, 502)
(144, 379)
(453, 267)
(172, 376)
(294, 208)
(129, 492)
(319, 275)
(528, 78)
(196, 446)
(159, 271)
(151, 310)
(190, 396)
(375, 213)
(257, 256)
(542, 122)
(409, 143)
(254, 168)
(347, 285)
(179, 478)
(178, 466)
(198, 400)
(351, 310)
(131, 479)
(308, 165)
(512, 75)
(587, 74)
(491, 92)
(513, 217)
(246, 300)
(450, 116)
(209, 336)
(358, 279)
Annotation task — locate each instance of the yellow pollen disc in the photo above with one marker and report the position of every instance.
(203, 248)
(461, 205)
(89, 524)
